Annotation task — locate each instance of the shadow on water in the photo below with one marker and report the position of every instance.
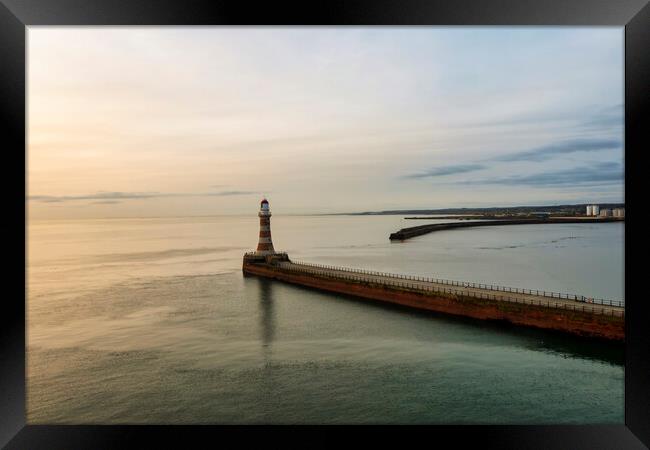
(599, 350)
(556, 342)
(267, 314)
(267, 385)
(553, 342)
(547, 341)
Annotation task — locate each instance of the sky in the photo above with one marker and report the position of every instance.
(190, 121)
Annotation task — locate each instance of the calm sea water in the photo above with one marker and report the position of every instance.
(151, 321)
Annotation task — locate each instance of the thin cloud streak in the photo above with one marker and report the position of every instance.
(601, 174)
(562, 148)
(447, 170)
(224, 193)
(539, 154)
(112, 197)
(606, 118)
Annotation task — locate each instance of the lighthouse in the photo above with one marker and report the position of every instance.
(265, 253)
(265, 244)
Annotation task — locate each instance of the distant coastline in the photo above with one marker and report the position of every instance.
(575, 209)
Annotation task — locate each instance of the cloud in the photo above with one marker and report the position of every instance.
(98, 196)
(610, 117)
(45, 199)
(549, 151)
(113, 197)
(599, 174)
(227, 193)
(447, 170)
(594, 174)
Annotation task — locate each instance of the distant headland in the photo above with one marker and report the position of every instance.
(560, 210)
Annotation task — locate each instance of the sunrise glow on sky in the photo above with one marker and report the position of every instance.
(155, 121)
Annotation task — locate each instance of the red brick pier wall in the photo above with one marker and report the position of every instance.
(574, 322)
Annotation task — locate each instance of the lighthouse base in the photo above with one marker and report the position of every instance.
(268, 258)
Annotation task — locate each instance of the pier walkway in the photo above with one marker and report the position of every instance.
(474, 290)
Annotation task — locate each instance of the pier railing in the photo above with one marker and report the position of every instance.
(413, 282)
(257, 254)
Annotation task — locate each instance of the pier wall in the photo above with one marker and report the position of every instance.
(419, 230)
(575, 322)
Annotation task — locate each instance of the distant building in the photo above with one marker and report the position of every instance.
(605, 213)
(618, 212)
(590, 210)
(595, 210)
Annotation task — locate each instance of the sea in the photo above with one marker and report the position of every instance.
(151, 321)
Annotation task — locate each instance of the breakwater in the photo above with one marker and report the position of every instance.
(450, 218)
(566, 313)
(410, 232)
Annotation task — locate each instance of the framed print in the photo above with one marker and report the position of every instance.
(239, 218)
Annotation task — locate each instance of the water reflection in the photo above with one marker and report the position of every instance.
(267, 387)
(545, 341)
(267, 314)
(558, 343)
(598, 350)
(548, 341)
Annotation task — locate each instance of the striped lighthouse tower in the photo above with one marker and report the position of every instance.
(265, 245)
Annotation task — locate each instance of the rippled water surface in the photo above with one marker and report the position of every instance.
(151, 321)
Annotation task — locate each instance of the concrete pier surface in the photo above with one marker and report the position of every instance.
(569, 313)
(410, 232)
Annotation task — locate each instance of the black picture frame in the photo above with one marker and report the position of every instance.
(16, 15)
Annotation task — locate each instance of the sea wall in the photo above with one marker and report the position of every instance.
(574, 322)
(419, 230)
